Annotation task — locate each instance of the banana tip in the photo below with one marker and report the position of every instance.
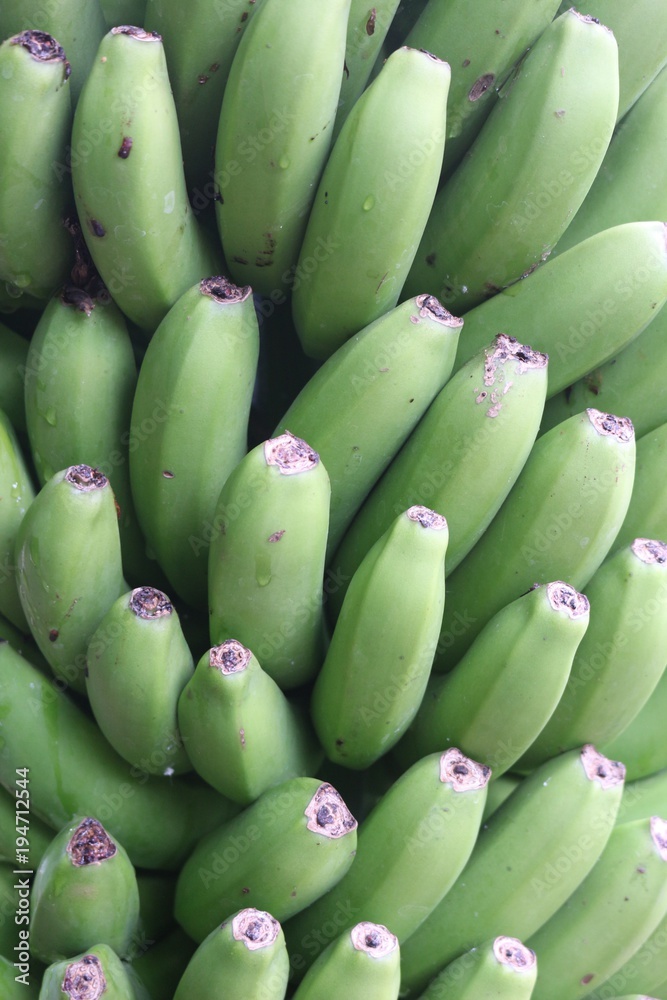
(84, 980)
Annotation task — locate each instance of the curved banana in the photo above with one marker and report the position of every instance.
(502, 967)
(530, 168)
(35, 121)
(645, 970)
(17, 493)
(646, 514)
(189, 424)
(642, 742)
(364, 961)
(95, 974)
(372, 203)
(528, 859)
(129, 186)
(274, 134)
(558, 522)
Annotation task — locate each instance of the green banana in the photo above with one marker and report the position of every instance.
(529, 857)
(630, 184)
(500, 788)
(274, 135)
(280, 854)
(642, 742)
(35, 122)
(363, 962)
(156, 904)
(266, 558)
(644, 970)
(189, 424)
(410, 849)
(646, 514)
(137, 665)
(558, 522)
(84, 893)
(644, 796)
(13, 354)
(161, 965)
(73, 772)
(608, 916)
(241, 733)
(481, 43)
(17, 493)
(500, 969)
(68, 566)
(363, 402)
(378, 662)
(621, 657)
(16, 984)
(591, 302)
(479, 429)
(372, 203)
(502, 692)
(128, 180)
(200, 41)
(530, 168)
(244, 957)
(95, 974)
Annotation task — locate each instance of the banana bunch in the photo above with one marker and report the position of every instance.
(333, 427)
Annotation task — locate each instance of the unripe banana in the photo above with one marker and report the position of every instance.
(499, 789)
(293, 51)
(162, 964)
(281, 854)
(84, 893)
(363, 402)
(10, 986)
(621, 657)
(68, 566)
(241, 733)
(527, 173)
(608, 916)
(372, 203)
(500, 969)
(645, 970)
(35, 123)
(189, 424)
(479, 429)
(645, 796)
(156, 903)
(362, 962)
(643, 740)
(646, 514)
(96, 974)
(591, 302)
(17, 494)
(528, 859)
(506, 686)
(138, 663)
(376, 667)
(129, 185)
(558, 522)
(13, 354)
(266, 560)
(410, 850)
(244, 957)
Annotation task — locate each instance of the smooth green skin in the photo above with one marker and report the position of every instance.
(464, 437)
(274, 136)
(647, 516)
(242, 734)
(80, 379)
(35, 121)
(265, 589)
(119, 981)
(411, 849)
(13, 354)
(631, 182)
(500, 788)
(631, 384)
(68, 571)
(555, 815)
(223, 968)
(500, 695)
(529, 170)
(644, 796)
(200, 41)
(358, 973)
(581, 308)
(74, 771)
(557, 523)
(39, 835)
(478, 975)
(10, 988)
(123, 11)
(372, 203)
(24, 645)
(365, 400)
(645, 970)
(477, 40)
(607, 917)
(377, 664)
(74, 907)
(190, 419)
(136, 670)
(156, 904)
(161, 965)
(619, 662)
(641, 745)
(265, 857)
(17, 493)
(153, 248)
(8, 903)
